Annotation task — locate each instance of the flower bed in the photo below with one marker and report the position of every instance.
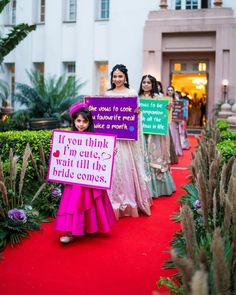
(204, 251)
(22, 180)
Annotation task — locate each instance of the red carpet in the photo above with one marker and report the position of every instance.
(127, 261)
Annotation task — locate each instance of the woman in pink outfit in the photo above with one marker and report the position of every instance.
(83, 210)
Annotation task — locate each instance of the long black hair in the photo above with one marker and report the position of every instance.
(173, 95)
(153, 82)
(86, 114)
(161, 88)
(124, 70)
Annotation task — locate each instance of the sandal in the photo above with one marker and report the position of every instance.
(66, 239)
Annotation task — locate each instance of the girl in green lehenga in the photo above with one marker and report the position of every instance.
(157, 157)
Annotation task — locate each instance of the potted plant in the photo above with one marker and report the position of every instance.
(45, 103)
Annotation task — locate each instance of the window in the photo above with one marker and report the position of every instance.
(70, 69)
(103, 9)
(101, 77)
(202, 67)
(39, 10)
(191, 4)
(9, 72)
(195, 67)
(13, 12)
(42, 11)
(70, 10)
(199, 67)
(39, 66)
(178, 4)
(188, 66)
(177, 67)
(10, 13)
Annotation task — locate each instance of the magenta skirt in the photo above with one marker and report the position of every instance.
(84, 210)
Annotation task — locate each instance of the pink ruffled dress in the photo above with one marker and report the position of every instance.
(84, 210)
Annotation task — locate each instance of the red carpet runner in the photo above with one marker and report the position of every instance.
(127, 261)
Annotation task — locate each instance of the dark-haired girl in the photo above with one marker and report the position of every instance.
(157, 146)
(83, 210)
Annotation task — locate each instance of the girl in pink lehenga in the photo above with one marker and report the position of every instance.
(83, 210)
(129, 193)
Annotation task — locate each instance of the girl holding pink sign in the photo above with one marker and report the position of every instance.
(129, 193)
(83, 210)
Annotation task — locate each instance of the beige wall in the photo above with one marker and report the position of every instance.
(207, 34)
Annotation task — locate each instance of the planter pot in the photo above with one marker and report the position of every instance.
(44, 123)
(6, 110)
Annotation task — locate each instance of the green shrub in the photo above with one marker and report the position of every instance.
(17, 140)
(222, 124)
(227, 134)
(227, 148)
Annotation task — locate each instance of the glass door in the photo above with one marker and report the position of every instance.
(190, 80)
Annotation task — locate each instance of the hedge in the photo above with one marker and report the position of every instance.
(17, 140)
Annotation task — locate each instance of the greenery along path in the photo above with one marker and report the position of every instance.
(127, 261)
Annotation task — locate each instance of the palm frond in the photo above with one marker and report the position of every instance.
(17, 34)
(3, 3)
(48, 97)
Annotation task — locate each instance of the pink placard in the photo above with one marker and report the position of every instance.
(82, 158)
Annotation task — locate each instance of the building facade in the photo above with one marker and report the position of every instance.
(193, 48)
(188, 43)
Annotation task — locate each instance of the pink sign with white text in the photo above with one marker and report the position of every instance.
(82, 158)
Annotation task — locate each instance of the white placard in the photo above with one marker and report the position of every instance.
(82, 158)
